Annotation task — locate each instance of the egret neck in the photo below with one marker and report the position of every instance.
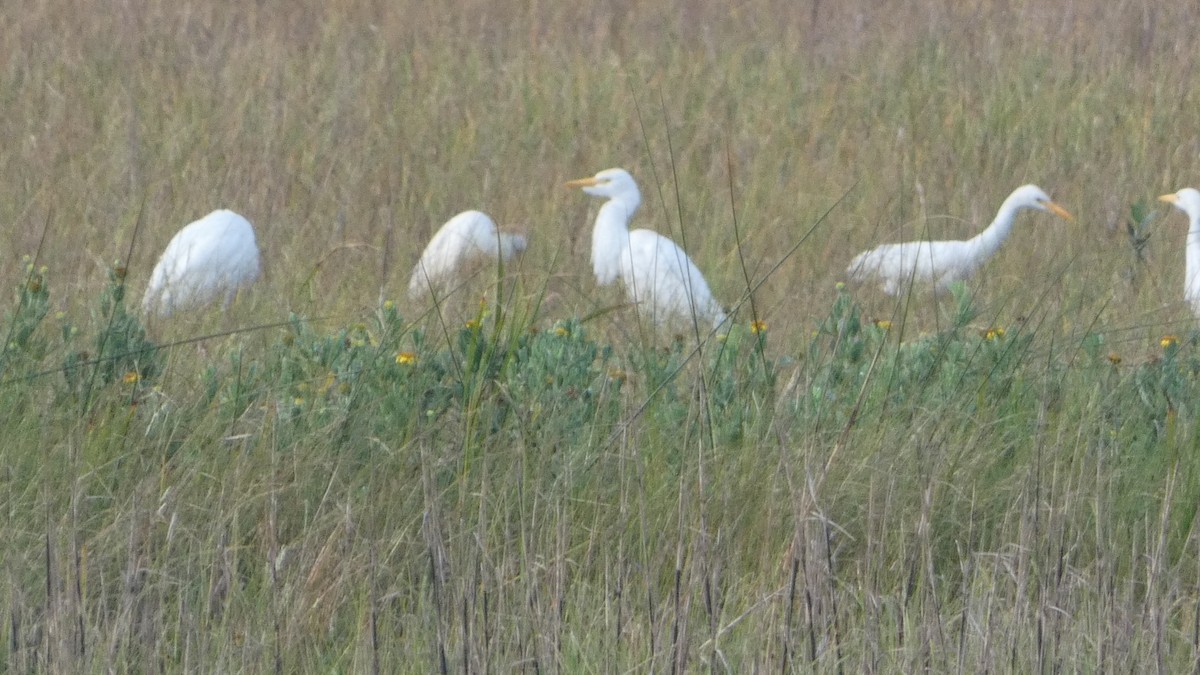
(610, 237)
(1192, 272)
(985, 244)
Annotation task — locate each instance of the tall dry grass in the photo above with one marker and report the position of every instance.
(997, 520)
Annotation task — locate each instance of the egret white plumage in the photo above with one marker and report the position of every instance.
(1188, 201)
(945, 262)
(208, 259)
(658, 276)
(471, 235)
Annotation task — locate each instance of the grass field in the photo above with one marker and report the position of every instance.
(331, 477)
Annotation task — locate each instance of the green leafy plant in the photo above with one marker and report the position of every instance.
(120, 349)
(32, 303)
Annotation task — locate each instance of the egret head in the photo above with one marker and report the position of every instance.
(1034, 197)
(611, 183)
(1186, 200)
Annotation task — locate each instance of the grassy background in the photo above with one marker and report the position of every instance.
(291, 498)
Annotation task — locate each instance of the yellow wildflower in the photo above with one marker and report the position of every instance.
(330, 379)
(993, 334)
(1168, 341)
(131, 377)
(758, 326)
(406, 358)
(562, 331)
(883, 324)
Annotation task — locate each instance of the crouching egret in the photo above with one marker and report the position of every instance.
(658, 276)
(944, 262)
(210, 258)
(1188, 201)
(466, 237)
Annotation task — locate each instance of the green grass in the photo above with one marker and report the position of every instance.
(332, 478)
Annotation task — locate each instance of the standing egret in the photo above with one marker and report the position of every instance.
(466, 237)
(659, 277)
(1188, 201)
(210, 258)
(945, 262)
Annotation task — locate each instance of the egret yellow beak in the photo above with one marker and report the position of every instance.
(582, 182)
(1059, 211)
(1170, 199)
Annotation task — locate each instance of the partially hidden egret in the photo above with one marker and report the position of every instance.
(659, 277)
(1188, 201)
(469, 236)
(211, 258)
(945, 262)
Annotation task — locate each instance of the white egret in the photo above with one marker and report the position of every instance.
(1188, 201)
(211, 258)
(659, 277)
(945, 262)
(469, 236)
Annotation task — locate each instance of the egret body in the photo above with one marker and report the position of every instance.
(942, 263)
(1188, 201)
(659, 277)
(211, 258)
(469, 236)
